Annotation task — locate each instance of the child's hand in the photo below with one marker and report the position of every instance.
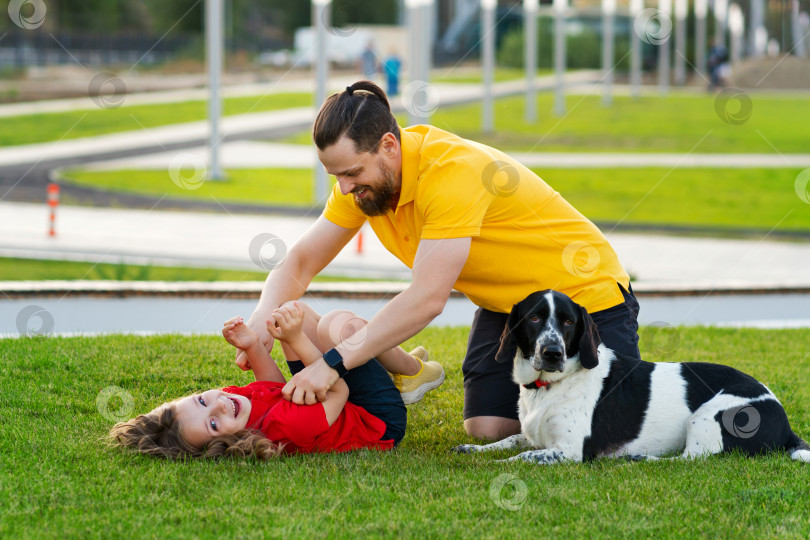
(287, 322)
(236, 332)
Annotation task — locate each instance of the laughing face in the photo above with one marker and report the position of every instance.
(211, 414)
(370, 177)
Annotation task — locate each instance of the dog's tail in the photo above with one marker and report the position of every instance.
(798, 449)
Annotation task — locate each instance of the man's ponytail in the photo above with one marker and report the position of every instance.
(361, 112)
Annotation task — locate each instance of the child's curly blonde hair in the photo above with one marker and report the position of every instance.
(157, 433)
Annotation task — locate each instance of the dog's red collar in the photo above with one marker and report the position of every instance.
(539, 383)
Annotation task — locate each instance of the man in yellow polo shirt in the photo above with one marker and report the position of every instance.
(462, 215)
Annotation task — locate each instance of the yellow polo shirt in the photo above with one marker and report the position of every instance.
(525, 236)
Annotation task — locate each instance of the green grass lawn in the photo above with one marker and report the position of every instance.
(15, 269)
(289, 187)
(475, 75)
(727, 198)
(38, 128)
(679, 123)
(59, 480)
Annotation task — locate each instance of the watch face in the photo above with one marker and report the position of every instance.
(335, 361)
(332, 357)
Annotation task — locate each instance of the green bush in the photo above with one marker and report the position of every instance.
(583, 49)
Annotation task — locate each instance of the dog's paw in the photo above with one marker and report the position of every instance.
(466, 448)
(538, 457)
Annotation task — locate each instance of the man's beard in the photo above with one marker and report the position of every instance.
(380, 199)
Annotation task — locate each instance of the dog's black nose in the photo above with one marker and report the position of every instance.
(552, 353)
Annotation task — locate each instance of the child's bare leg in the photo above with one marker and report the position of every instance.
(339, 326)
(310, 329)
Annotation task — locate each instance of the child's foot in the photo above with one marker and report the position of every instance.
(237, 333)
(414, 387)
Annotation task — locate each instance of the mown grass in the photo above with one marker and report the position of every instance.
(289, 187)
(727, 198)
(58, 479)
(677, 123)
(37, 128)
(16, 269)
(475, 75)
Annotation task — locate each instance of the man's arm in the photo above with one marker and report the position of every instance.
(310, 254)
(436, 268)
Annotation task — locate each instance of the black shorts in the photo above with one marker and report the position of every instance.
(488, 386)
(371, 387)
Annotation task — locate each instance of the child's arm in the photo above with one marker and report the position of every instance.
(236, 332)
(287, 326)
(336, 396)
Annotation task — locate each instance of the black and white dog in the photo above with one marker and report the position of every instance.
(579, 400)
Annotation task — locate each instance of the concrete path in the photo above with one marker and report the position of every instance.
(160, 97)
(259, 154)
(216, 240)
(205, 239)
(298, 82)
(241, 126)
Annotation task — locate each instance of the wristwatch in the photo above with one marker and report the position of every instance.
(335, 361)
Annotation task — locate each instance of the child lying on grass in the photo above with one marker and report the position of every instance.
(362, 410)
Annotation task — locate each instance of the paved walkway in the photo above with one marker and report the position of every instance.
(251, 154)
(204, 239)
(259, 154)
(242, 126)
(299, 82)
(160, 97)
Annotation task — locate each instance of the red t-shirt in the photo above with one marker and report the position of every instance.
(303, 428)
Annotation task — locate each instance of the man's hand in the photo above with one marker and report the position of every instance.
(310, 385)
(308, 256)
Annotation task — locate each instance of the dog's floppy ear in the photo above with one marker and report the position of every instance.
(508, 349)
(588, 340)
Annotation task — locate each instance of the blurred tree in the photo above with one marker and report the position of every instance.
(187, 16)
(98, 16)
(180, 15)
(583, 49)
